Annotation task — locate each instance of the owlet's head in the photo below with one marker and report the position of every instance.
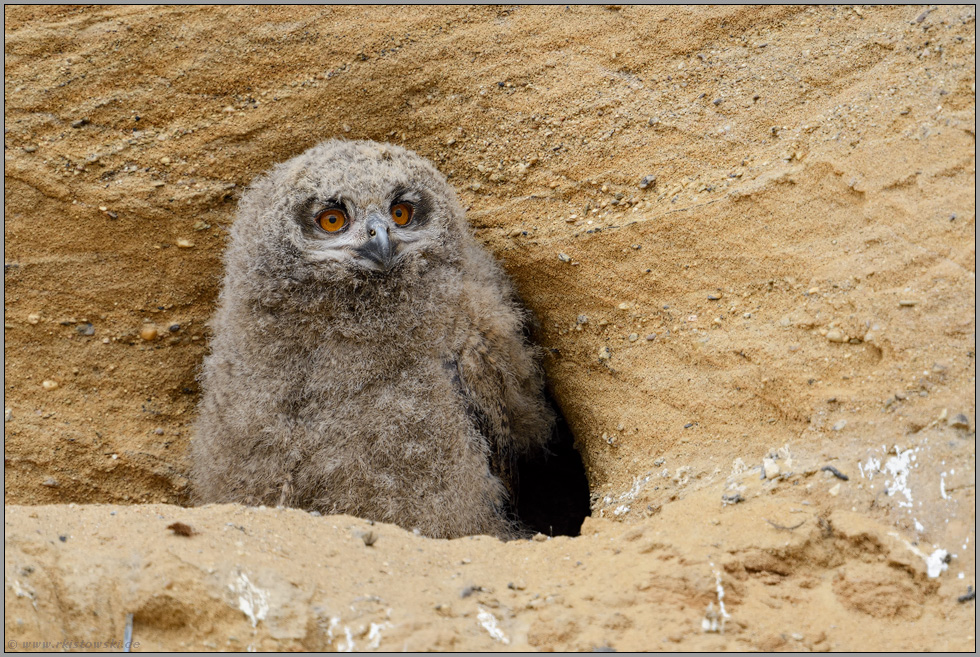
(342, 213)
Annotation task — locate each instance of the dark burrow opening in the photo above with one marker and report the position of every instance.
(552, 489)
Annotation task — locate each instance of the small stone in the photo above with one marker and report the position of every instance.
(517, 585)
(103, 208)
(173, 328)
(907, 303)
(835, 490)
(49, 384)
(624, 306)
(85, 329)
(648, 181)
(33, 318)
(184, 244)
(605, 353)
(959, 421)
(7, 414)
(633, 337)
(651, 337)
(714, 296)
(165, 160)
(158, 431)
(835, 335)
(564, 257)
(79, 123)
(148, 332)
(201, 225)
(540, 538)
(50, 482)
(582, 319)
(840, 425)
(813, 290)
(770, 468)
(30, 148)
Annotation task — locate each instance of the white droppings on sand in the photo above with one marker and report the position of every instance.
(898, 467)
(253, 601)
(638, 484)
(936, 562)
(714, 621)
(22, 591)
(871, 468)
(489, 623)
(374, 634)
(349, 638)
(623, 498)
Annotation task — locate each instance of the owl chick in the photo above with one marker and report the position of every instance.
(368, 356)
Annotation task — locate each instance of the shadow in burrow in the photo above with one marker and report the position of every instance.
(552, 488)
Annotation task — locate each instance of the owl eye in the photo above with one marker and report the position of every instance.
(332, 220)
(401, 213)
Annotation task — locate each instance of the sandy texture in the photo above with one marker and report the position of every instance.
(792, 286)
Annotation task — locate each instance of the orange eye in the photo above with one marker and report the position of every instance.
(401, 213)
(332, 220)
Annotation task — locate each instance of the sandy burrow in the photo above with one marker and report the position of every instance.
(794, 290)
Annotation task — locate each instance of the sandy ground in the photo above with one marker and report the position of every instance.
(792, 287)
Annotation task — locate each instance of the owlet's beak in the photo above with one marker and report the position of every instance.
(379, 248)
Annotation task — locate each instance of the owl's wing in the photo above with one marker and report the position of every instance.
(481, 398)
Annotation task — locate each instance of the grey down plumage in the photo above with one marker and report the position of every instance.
(379, 370)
